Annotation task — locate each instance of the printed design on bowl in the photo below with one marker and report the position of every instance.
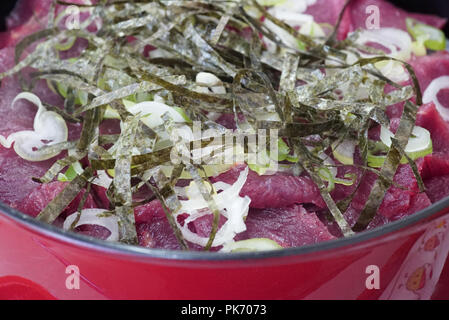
(422, 268)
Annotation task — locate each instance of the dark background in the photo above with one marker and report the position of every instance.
(5, 7)
(438, 7)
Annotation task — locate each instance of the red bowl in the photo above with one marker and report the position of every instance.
(401, 260)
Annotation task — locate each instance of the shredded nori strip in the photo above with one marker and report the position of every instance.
(122, 182)
(63, 199)
(389, 168)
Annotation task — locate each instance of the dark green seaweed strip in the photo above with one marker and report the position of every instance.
(61, 146)
(301, 129)
(122, 181)
(305, 39)
(152, 159)
(81, 205)
(90, 123)
(56, 168)
(219, 29)
(28, 40)
(333, 37)
(304, 156)
(108, 139)
(65, 197)
(66, 116)
(412, 164)
(170, 205)
(289, 72)
(209, 98)
(388, 170)
(416, 86)
(181, 147)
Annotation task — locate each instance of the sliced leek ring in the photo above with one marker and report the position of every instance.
(49, 128)
(344, 152)
(255, 244)
(420, 141)
(377, 161)
(418, 146)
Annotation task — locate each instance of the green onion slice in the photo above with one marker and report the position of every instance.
(435, 38)
(255, 244)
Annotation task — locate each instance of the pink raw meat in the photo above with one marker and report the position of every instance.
(37, 200)
(437, 188)
(435, 173)
(153, 228)
(28, 16)
(290, 227)
(327, 11)
(94, 231)
(433, 165)
(390, 15)
(40, 197)
(15, 172)
(396, 203)
(25, 10)
(429, 118)
(430, 67)
(274, 191)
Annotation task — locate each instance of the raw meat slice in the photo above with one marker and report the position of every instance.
(397, 202)
(430, 67)
(28, 16)
(16, 173)
(39, 198)
(274, 191)
(437, 187)
(290, 227)
(429, 118)
(153, 228)
(327, 11)
(434, 170)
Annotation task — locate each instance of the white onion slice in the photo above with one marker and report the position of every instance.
(209, 83)
(421, 140)
(292, 13)
(344, 152)
(294, 6)
(431, 95)
(285, 37)
(292, 18)
(102, 179)
(312, 29)
(391, 38)
(152, 113)
(230, 204)
(397, 41)
(49, 128)
(93, 217)
(254, 244)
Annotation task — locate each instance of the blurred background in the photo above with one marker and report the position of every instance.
(6, 7)
(438, 7)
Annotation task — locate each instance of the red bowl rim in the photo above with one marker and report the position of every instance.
(123, 249)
